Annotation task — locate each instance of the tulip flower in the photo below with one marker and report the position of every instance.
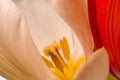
(27, 26)
(104, 20)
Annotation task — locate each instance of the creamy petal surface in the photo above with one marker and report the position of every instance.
(17, 47)
(45, 25)
(96, 68)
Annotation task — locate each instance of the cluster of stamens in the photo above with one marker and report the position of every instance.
(61, 64)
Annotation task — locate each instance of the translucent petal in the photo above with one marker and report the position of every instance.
(96, 68)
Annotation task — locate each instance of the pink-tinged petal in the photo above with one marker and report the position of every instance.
(74, 12)
(17, 46)
(46, 25)
(96, 67)
(108, 18)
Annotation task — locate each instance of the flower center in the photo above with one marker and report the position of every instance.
(62, 64)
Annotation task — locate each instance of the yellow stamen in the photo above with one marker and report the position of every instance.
(58, 73)
(52, 51)
(65, 48)
(49, 63)
(68, 72)
(59, 65)
(79, 62)
(62, 70)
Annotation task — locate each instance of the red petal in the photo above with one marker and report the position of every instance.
(107, 17)
(93, 23)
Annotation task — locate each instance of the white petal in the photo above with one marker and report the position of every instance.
(96, 68)
(17, 45)
(45, 25)
(74, 12)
